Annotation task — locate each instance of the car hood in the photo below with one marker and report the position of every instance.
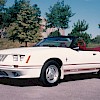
(26, 50)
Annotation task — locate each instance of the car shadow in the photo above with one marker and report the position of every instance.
(36, 82)
(20, 82)
(75, 77)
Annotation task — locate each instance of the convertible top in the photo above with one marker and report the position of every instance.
(66, 41)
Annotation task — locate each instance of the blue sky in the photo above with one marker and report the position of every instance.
(88, 10)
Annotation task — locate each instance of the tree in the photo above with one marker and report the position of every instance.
(55, 33)
(59, 15)
(15, 9)
(27, 25)
(96, 39)
(2, 12)
(12, 31)
(2, 3)
(9, 15)
(79, 29)
(80, 26)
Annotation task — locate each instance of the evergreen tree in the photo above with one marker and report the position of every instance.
(27, 25)
(55, 33)
(96, 39)
(9, 15)
(79, 29)
(80, 26)
(15, 9)
(2, 3)
(59, 15)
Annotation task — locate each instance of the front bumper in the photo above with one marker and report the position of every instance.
(32, 72)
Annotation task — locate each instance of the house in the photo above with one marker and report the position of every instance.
(45, 32)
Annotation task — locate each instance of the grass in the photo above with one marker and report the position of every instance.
(6, 44)
(91, 45)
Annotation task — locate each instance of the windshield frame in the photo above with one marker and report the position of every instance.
(62, 39)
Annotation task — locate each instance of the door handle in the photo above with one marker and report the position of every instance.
(94, 54)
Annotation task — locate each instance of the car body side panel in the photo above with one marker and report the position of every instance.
(73, 61)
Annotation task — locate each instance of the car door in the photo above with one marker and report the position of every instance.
(82, 61)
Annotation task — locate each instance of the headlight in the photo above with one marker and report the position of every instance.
(15, 57)
(18, 57)
(22, 57)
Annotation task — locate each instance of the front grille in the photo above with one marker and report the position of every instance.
(2, 57)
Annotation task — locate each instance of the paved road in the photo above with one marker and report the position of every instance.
(77, 87)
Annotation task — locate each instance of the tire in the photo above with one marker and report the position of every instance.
(50, 74)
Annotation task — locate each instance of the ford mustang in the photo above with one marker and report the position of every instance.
(50, 60)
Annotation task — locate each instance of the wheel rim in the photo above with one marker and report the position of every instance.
(52, 74)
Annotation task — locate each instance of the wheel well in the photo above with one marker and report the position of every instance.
(55, 59)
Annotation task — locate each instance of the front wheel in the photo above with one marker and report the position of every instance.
(50, 73)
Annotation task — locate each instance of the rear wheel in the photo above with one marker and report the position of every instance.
(50, 73)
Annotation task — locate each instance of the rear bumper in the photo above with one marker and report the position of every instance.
(32, 72)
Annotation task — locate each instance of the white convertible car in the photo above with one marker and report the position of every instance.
(50, 59)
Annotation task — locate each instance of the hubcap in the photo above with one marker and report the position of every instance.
(52, 74)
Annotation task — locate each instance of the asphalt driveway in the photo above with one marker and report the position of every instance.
(73, 87)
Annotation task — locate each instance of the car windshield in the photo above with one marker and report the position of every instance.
(55, 42)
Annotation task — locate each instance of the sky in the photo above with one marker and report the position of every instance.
(89, 10)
